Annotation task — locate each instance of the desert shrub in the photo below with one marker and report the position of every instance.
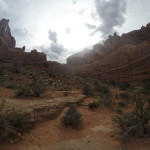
(17, 119)
(136, 121)
(72, 117)
(94, 105)
(121, 104)
(24, 90)
(12, 123)
(37, 88)
(103, 89)
(87, 91)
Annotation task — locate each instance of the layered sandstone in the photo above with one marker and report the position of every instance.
(9, 52)
(121, 58)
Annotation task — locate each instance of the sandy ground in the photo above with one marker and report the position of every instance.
(97, 132)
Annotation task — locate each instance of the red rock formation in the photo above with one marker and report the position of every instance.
(8, 51)
(5, 35)
(121, 58)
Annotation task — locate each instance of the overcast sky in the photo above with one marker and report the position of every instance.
(60, 28)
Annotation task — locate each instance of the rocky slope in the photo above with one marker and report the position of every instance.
(121, 58)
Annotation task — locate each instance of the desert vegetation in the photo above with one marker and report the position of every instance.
(12, 124)
(137, 122)
(72, 117)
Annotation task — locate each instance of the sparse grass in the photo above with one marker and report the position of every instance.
(72, 117)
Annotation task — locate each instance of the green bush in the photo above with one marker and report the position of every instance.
(93, 105)
(72, 117)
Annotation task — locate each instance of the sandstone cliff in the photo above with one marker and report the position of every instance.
(8, 51)
(121, 58)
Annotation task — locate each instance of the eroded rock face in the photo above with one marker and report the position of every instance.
(8, 51)
(5, 34)
(121, 58)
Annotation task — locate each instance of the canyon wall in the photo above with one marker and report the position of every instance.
(121, 58)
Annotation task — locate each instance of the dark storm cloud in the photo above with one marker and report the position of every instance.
(111, 14)
(52, 36)
(90, 26)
